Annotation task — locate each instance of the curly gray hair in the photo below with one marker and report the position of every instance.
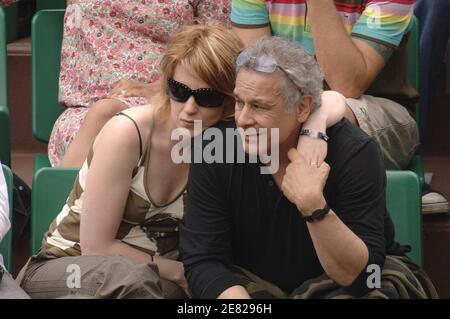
(302, 72)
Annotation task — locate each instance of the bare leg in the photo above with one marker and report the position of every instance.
(99, 113)
(350, 116)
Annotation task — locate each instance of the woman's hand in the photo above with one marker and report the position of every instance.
(131, 88)
(314, 150)
(172, 270)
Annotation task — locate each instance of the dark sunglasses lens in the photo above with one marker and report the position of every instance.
(177, 92)
(209, 99)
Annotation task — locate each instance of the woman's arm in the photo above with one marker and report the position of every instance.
(116, 152)
(331, 111)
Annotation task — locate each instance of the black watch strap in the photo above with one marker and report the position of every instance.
(318, 214)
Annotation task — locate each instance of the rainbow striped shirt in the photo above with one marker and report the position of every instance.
(380, 21)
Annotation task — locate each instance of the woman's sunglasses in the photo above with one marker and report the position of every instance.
(206, 97)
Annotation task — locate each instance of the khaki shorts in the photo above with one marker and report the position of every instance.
(390, 125)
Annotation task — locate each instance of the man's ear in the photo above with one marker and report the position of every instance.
(304, 107)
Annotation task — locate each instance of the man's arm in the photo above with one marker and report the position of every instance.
(349, 65)
(341, 253)
(352, 236)
(249, 35)
(250, 20)
(235, 292)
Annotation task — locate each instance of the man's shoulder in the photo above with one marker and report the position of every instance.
(346, 130)
(355, 160)
(346, 140)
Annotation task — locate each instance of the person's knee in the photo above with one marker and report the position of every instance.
(124, 278)
(103, 110)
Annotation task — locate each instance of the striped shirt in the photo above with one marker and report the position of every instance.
(380, 21)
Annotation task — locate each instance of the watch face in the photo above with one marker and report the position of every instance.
(318, 214)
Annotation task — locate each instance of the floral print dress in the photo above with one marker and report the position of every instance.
(5, 3)
(109, 40)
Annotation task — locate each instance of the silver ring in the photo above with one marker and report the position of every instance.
(122, 92)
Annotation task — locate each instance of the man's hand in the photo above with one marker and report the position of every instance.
(234, 292)
(130, 88)
(303, 183)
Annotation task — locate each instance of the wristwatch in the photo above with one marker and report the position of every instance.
(315, 134)
(318, 214)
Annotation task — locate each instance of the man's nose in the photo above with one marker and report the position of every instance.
(244, 117)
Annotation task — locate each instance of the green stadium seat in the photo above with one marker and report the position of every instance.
(41, 161)
(46, 34)
(51, 187)
(11, 14)
(6, 243)
(403, 200)
(50, 4)
(5, 140)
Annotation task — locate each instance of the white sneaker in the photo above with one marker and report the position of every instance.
(434, 203)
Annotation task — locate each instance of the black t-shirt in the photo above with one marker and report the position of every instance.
(237, 216)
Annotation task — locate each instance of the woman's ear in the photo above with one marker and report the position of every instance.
(304, 107)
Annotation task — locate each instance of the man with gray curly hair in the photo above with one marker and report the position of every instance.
(247, 234)
(362, 48)
(303, 74)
